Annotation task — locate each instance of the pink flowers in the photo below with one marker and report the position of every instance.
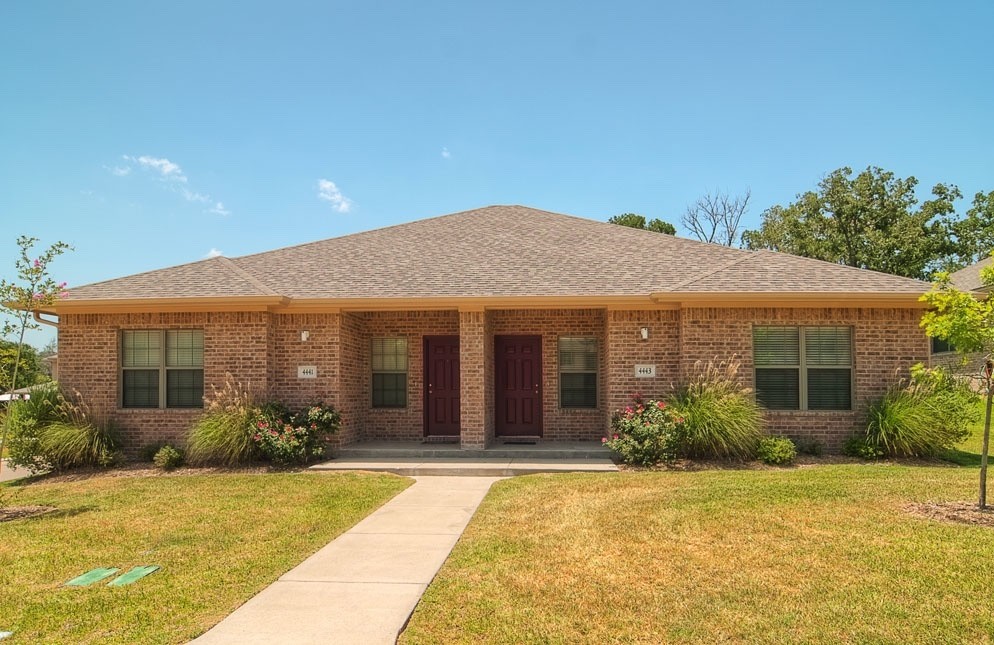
(661, 405)
(603, 439)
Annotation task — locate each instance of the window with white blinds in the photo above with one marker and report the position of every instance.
(577, 372)
(803, 368)
(162, 368)
(389, 361)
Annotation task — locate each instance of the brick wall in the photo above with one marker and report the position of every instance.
(626, 349)
(401, 423)
(560, 424)
(886, 342)
(262, 351)
(234, 343)
(475, 337)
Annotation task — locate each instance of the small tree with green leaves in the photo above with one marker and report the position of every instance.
(966, 320)
(33, 290)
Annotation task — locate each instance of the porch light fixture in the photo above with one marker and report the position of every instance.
(644, 333)
(305, 335)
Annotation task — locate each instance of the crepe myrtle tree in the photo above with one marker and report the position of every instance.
(966, 320)
(33, 290)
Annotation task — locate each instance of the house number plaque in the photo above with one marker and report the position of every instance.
(645, 371)
(307, 371)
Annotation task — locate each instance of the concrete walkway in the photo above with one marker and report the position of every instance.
(9, 473)
(363, 586)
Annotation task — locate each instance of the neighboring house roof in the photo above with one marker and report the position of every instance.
(498, 251)
(968, 279)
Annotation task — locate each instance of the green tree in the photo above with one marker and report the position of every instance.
(29, 369)
(872, 221)
(967, 322)
(631, 220)
(973, 236)
(34, 289)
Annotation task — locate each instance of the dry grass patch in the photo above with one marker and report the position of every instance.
(219, 539)
(820, 555)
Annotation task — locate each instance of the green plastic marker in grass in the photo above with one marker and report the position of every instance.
(96, 575)
(134, 575)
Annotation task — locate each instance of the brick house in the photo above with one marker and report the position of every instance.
(496, 323)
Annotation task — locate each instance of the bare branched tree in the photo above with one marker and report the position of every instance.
(715, 217)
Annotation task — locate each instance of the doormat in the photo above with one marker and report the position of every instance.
(442, 439)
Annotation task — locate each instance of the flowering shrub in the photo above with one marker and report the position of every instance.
(288, 438)
(646, 432)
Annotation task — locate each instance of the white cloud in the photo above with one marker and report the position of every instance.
(171, 172)
(445, 153)
(213, 253)
(329, 192)
(219, 209)
(165, 168)
(191, 196)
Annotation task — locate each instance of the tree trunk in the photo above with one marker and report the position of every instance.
(984, 450)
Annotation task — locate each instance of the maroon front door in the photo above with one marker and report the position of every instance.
(519, 386)
(441, 386)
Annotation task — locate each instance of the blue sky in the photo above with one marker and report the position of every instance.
(150, 134)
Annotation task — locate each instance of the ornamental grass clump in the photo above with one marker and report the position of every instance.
(920, 417)
(223, 435)
(721, 417)
(76, 439)
(645, 433)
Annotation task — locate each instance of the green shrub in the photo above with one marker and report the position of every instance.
(645, 433)
(27, 418)
(808, 446)
(919, 418)
(721, 418)
(860, 446)
(287, 438)
(776, 450)
(150, 450)
(168, 458)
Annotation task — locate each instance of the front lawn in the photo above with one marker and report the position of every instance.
(822, 554)
(219, 539)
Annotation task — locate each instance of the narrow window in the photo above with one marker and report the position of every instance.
(941, 346)
(577, 372)
(803, 368)
(162, 368)
(389, 362)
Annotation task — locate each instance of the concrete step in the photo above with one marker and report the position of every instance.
(435, 452)
(481, 467)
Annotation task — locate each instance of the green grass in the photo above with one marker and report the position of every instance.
(822, 554)
(219, 539)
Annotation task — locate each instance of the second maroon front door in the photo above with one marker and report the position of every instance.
(519, 386)
(441, 386)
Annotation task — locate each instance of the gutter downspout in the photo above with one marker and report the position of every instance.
(38, 318)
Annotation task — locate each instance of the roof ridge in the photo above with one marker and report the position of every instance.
(689, 281)
(228, 262)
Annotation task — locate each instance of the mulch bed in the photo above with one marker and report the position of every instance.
(10, 513)
(961, 512)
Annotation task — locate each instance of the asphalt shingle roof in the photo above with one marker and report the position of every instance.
(504, 251)
(968, 279)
